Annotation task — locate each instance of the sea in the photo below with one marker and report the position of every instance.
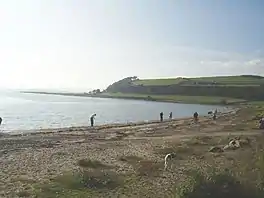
(24, 111)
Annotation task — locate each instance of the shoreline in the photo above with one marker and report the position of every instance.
(99, 128)
(87, 128)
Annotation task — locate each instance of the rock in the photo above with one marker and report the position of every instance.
(216, 149)
(234, 143)
(228, 147)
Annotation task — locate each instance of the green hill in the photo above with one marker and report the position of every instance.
(235, 88)
(219, 80)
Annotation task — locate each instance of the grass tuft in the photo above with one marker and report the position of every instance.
(80, 184)
(130, 159)
(87, 163)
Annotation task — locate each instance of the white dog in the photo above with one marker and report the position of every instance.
(168, 158)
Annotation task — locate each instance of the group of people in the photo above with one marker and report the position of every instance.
(195, 116)
(161, 116)
(92, 118)
(214, 114)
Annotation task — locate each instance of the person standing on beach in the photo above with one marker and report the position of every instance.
(161, 116)
(261, 123)
(195, 116)
(92, 119)
(214, 116)
(170, 116)
(1, 120)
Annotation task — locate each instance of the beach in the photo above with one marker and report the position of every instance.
(35, 158)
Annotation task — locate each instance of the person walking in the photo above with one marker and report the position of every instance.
(195, 116)
(170, 116)
(92, 119)
(161, 116)
(214, 116)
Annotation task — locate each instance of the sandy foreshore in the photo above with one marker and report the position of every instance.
(38, 157)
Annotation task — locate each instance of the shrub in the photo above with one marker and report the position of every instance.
(80, 184)
(216, 185)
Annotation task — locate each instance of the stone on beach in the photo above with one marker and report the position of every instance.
(216, 149)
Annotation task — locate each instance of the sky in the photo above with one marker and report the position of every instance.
(85, 44)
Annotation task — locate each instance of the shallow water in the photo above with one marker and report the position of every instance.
(22, 111)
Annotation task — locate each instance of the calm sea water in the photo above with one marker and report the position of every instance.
(31, 111)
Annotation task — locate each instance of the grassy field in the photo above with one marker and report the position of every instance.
(177, 98)
(232, 80)
(167, 81)
(226, 80)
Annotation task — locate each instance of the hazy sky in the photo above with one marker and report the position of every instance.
(91, 43)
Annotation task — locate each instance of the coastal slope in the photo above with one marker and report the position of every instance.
(223, 87)
(202, 90)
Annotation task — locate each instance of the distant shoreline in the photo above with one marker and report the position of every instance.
(151, 98)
